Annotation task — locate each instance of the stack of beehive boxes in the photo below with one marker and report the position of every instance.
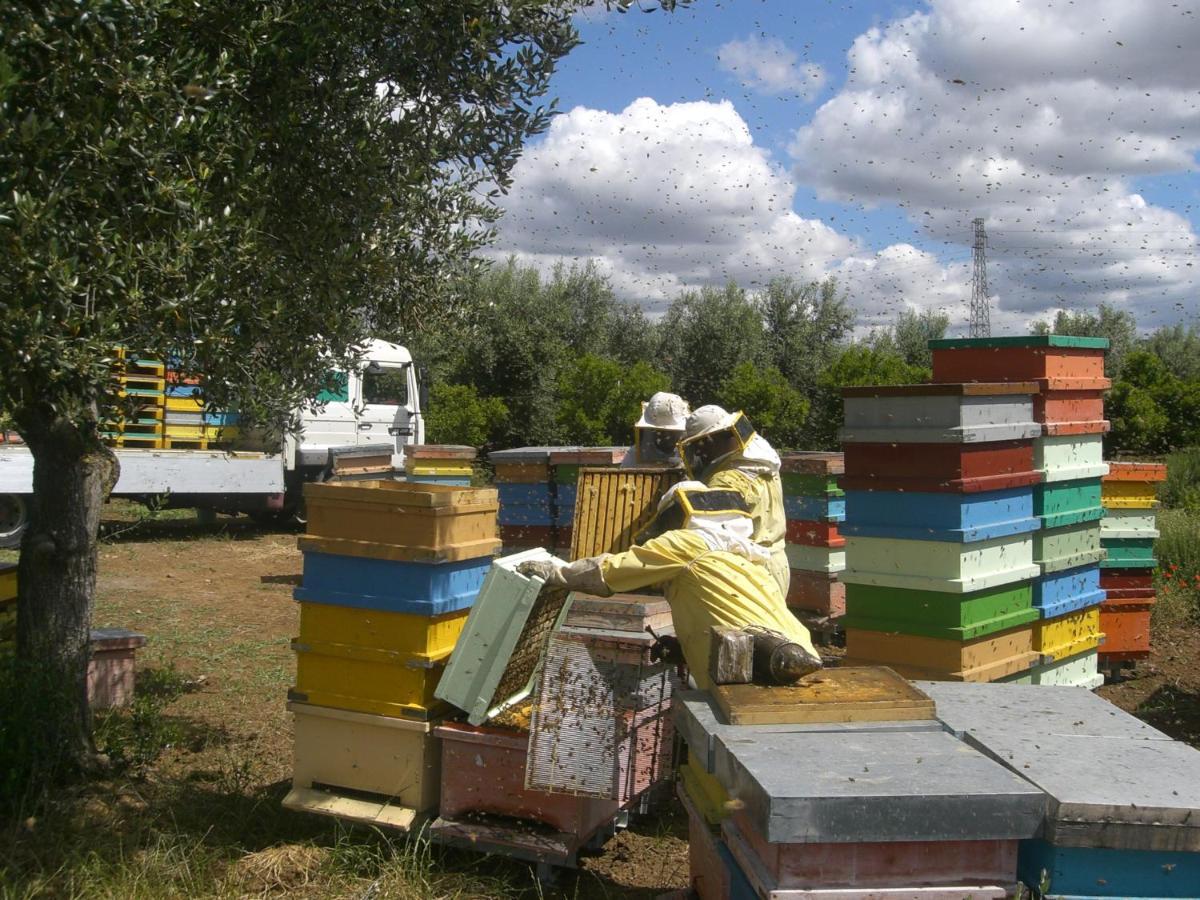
(439, 464)
(538, 488)
(141, 385)
(1128, 532)
(816, 551)
(1069, 407)
(8, 608)
(188, 424)
(391, 570)
(940, 528)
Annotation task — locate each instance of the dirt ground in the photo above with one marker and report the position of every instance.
(215, 602)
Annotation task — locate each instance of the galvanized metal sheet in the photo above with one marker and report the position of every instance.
(870, 786)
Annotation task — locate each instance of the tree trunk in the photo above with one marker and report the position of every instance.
(72, 475)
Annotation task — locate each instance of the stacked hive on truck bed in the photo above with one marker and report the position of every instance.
(1128, 532)
(815, 505)
(1069, 406)
(188, 424)
(439, 464)
(391, 570)
(939, 528)
(142, 390)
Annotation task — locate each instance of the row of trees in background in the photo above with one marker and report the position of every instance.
(559, 359)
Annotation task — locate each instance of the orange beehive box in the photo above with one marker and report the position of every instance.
(1126, 626)
(1136, 471)
(915, 656)
(1058, 362)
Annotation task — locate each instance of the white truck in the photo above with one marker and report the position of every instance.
(376, 408)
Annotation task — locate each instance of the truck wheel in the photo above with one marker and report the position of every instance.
(14, 518)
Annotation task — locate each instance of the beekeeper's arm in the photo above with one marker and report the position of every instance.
(752, 490)
(639, 567)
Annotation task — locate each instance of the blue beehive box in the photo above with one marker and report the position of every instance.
(1064, 592)
(940, 517)
(815, 509)
(428, 589)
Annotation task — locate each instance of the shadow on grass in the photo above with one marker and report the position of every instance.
(1173, 710)
(190, 529)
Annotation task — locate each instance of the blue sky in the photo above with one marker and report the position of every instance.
(743, 140)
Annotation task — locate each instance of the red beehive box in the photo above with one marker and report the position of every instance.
(811, 462)
(1059, 362)
(1071, 412)
(986, 865)
(818, 592)
(1126, 579)
(939, 468)
(814, 534)
(483, 771)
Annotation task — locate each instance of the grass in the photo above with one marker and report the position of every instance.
(1178, 576)
(1182, 487)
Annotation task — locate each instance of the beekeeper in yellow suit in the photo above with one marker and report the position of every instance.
(723, 450)
(657, 434)
(714, 575)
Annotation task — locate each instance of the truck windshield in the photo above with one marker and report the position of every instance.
(387, 387)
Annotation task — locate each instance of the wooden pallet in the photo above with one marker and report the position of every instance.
(152, 441)
(171, 443)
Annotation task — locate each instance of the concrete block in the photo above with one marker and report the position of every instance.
(873, 786)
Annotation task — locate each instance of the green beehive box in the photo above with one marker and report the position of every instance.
(796, 484)
(495, 661)
(938, 614)
(1129, 553)
(1062, 503)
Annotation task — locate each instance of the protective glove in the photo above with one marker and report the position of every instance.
(549, 570)
(666, 647)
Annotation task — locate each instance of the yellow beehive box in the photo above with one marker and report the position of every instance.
(367, 679)
(429, 638)
(437, 466)
(362, 767)
(415, 515)
(705, 791)
(1069, 635)
(522, 472)
(613, 505)
(1128, 494)
(185, 404)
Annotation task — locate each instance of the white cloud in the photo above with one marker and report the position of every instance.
(1035, 116)
(766, 64)
(662, 197)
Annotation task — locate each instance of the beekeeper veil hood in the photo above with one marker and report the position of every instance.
(715, 437)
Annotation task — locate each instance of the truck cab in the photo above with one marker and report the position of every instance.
(379, 404)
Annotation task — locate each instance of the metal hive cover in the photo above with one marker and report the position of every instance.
(496, 658)
(589, 705)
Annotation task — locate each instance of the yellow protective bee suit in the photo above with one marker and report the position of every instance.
(705, 588)
(763, 493)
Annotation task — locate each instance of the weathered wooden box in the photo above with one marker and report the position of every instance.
(939, 413)
(812, 462)
(813, 533)
(713, 872)
(110, 674)
(958, 468)
(367, 679)
(369, 768)
(819, 592)
(431, 517)
(939, 565)
(484, 772)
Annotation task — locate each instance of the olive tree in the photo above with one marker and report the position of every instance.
(253, 188)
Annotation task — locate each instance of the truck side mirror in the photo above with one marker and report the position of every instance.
(423, 388)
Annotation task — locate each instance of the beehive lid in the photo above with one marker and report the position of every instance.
(497, 656)
(812, 462)
(620, 612)
(439, 451)
(412, 494)
(587, 456)
(946, 389)
(1022, 340)
(522, 455)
